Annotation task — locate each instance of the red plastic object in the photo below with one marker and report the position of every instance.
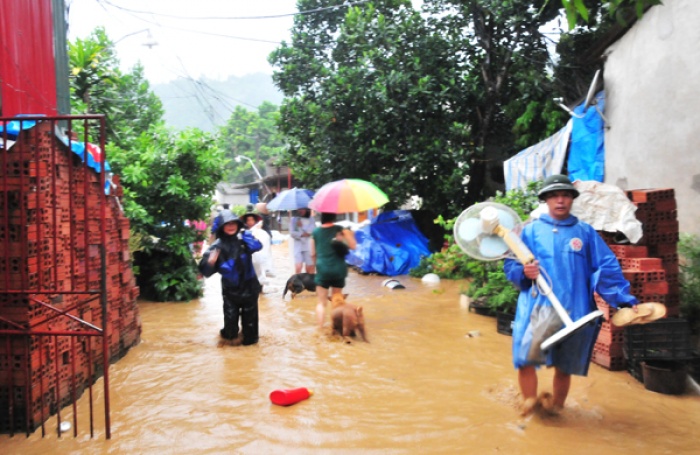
(288, 397)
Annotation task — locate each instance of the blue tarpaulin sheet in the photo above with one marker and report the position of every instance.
(583, 137)
(391, 245)
(77, 147)
(587, 149)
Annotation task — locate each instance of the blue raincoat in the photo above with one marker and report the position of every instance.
(578, 262)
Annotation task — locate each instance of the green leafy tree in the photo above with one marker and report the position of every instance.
(373, 93)
(419, 106)
(503, 55)
(251, 134)
(98, 86)
(168, 178)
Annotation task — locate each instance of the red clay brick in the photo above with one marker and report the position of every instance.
(641, 264)
(654, 194)
(630, 251)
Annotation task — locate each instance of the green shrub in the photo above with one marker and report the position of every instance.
(168, 177)
(496, 291)
(689, 251)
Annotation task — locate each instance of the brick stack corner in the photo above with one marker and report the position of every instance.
(651, 267)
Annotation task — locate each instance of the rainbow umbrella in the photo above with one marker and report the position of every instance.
(348, 195)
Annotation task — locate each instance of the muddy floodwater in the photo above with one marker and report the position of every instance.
(422, 385)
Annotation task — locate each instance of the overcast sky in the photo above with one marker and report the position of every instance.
(214, 38)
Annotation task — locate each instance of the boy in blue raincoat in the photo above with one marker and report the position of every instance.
(231, 256)
(578, 262)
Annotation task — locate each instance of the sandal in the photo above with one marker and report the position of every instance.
(646, 312)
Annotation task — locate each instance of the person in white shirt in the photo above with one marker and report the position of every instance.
(300, 228)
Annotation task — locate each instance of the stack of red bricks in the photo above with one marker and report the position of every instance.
(651, 267)
(50, 254)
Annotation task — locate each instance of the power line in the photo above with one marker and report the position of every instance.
(135, 15)
(277, 16)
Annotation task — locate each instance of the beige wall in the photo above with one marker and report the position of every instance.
(652, 82)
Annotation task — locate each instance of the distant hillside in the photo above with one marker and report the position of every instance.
(207, 104)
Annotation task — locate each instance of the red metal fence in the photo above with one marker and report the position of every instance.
(67, 292)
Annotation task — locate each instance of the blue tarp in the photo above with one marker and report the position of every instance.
(583, 136)
(77, 147)
(391, 245)
(587, 149)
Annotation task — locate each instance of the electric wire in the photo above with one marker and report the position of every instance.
(299, 13)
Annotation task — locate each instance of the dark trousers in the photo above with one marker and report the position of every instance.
(247, 309)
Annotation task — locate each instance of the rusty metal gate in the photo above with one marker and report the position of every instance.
(56, 208)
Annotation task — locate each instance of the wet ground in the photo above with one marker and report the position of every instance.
(422, 385)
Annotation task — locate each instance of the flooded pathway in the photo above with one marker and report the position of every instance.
(422, 385)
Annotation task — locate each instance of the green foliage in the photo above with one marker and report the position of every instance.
(496, 291)
(373, 93)
(415, 103)
(167, 178)
(541, 119)
(98, 86)
(251, 134)
(578, 11)
(450, 264)
(689, 251)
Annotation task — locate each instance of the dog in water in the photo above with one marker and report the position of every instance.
(300, 282)
(348, 319)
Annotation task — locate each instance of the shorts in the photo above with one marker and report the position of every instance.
(330, 283)
(303, 257)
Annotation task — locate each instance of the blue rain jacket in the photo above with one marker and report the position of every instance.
(578, 262)
(235, 263)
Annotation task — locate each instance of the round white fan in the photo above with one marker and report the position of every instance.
(485, 232)
(475, 230)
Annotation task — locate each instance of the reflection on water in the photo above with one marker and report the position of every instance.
(422, 385)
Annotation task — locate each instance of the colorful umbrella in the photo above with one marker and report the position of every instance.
(348, 195)
(292, 199)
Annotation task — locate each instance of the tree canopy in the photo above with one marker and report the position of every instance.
(253, 134)
(168, 177)
(98, 86)
(578, 11)
(419, 104)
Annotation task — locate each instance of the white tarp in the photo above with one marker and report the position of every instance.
(539, 161)
(605, 207)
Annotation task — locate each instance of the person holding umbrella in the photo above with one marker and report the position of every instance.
(329, 245)
(301, 227)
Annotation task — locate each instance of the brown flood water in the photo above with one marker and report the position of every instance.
(422, 385)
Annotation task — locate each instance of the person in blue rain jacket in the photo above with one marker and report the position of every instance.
(577, 262)
(231, 256)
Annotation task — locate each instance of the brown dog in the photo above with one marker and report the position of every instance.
(348, 319)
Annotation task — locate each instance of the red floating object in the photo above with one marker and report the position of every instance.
(288, 397)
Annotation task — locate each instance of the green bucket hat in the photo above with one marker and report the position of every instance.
(557, 182)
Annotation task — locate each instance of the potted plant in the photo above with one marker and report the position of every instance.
(498, 295)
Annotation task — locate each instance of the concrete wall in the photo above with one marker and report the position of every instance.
(652, 81)
(233, 197)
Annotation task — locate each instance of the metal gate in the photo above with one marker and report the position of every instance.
(54, 314)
